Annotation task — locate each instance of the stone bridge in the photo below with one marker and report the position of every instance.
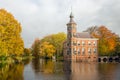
(108, 59)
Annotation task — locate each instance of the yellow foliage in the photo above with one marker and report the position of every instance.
(11, 42)
(47, 49)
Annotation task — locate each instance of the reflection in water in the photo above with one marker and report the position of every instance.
(91, 71)
(109, 71)
(47, 69)
(47, 66)
(40, 69)
(12, 72)
(81, 71)
(84, 71)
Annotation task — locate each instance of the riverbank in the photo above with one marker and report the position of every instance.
(15, 59)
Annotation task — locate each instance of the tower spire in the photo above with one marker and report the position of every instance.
(71, 17)
(71, 14)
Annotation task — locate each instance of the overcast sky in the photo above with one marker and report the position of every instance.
(39, 18)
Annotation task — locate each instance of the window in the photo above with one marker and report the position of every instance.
(74, 50)
(67, 44)
(95, 50)
(69, 34)
(74, 34)
(69, 28)
(78, 42)
(94, 43)
(83, 50)
(74, 43)
(89, 43)
(89, 50)
(83, 43)
(78, 50)
(69, 51)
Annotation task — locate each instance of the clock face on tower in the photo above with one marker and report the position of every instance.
(69, 28)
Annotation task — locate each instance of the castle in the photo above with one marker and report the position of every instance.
(79, 46)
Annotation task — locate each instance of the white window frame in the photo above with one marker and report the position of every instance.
(95, 50)
(94, 43)
(83, 50)
(89, 50)
(83, 42)
(89, 43)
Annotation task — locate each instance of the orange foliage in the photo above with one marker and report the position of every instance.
(107, 40)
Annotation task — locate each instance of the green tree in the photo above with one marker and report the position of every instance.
(57, 41)
(11, 42)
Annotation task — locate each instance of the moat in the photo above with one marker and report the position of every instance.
(39, 69)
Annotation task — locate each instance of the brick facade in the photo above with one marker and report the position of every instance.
(79, 46)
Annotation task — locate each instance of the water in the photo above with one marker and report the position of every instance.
(38, 69)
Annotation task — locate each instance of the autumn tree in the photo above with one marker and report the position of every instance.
(11, 42)
(117, 48)
(12, 72)
(57, 41)
(107, 40)
(47, 50)
(52, 43)
(36, 47)
(27, 51)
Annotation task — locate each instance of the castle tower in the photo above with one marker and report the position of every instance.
(79, 46)
(71, 35)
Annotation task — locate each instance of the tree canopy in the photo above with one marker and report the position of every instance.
(47, 49)
(36, 47)
(11, 42)
(50, 45)
(57, 41)
(107, 39)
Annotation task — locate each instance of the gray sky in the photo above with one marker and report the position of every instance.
(42, 17)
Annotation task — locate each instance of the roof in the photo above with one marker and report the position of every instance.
(83, 35)
(71, 19)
